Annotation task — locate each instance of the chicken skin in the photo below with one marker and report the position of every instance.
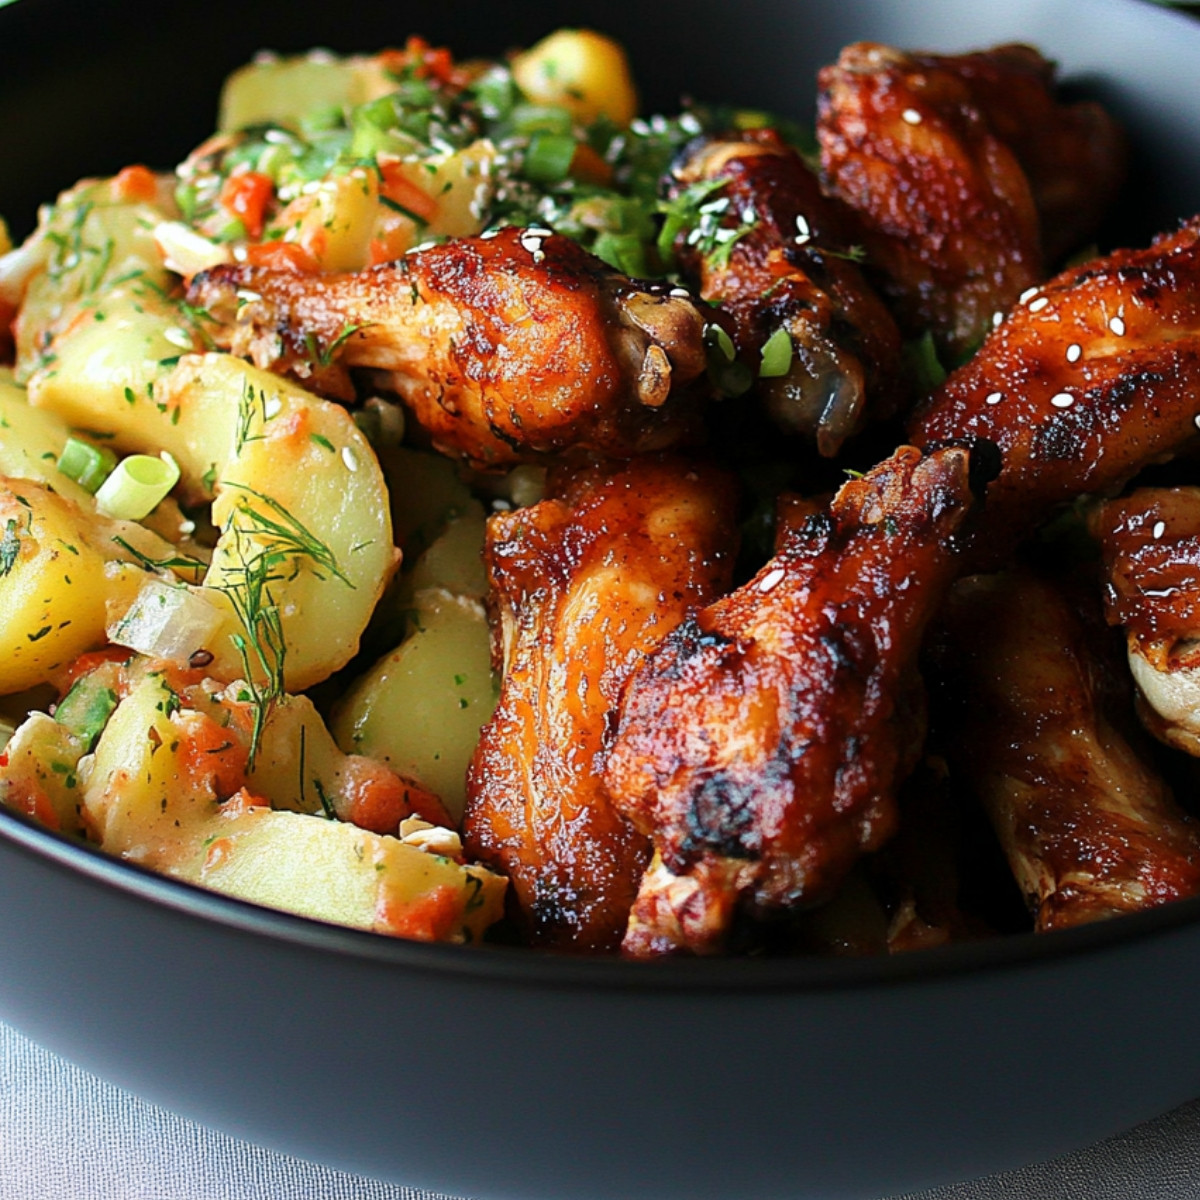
(1151, 546)
(505, 348)
(1090, 378)
(761, 744)
(585, 583)
(784, 265)
(1089, 829)
(967, 174)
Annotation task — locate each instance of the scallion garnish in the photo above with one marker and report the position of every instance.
(548, 159)
(137, 486)
(88, 465)
(776, 355)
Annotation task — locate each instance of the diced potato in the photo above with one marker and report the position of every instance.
(150, 803)
(335, 222)
(31, 441)
(276, 454)
(280, 91)
(426, 493)
(420, 708)
(581, 71)
(454, 562)
(40, 773)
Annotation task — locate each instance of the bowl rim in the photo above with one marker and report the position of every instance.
(537, 968)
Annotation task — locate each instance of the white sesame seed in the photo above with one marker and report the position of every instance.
(658, 123)
(638, 126)
(1117, 326)
(1062, 400)
(771, 579)
(1074, 351)
(1039, 304)
(1027, 294)
(802, 225)
(689, 123)
(993, 398)
(997, 320)
(1160, 527)
(350, 458)
(911, 116)
(272, 407)
(1196, 420)
(680, 293)
(488, 234)
(246, 296)
(501, 506)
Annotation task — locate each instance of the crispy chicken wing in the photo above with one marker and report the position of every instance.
(1151, 546)
(505, 347)
(760, 745)
(1089, 829)
(1089, 379)
(968, 176)
(786, 268)
(585, 583)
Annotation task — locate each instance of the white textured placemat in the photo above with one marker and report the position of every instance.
(65, 1135)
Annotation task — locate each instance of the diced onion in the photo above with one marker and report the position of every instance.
(168, 620)
(137, 486)
(88, 465)
(187, 252)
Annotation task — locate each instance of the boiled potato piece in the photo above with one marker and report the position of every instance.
(39, 775)
(420, 708)
(31, 441)
(150, 796)
(581, 71)
(280, 91)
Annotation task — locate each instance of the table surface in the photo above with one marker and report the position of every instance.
(66, 1135)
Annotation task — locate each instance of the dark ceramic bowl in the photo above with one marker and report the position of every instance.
(496, 1072)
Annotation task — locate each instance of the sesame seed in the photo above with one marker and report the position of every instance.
(911, 116)
(1039, 304)
(350, 458)
(680, 293)
(1062, 400)
(488, 234)
(246, 296)
(689, 123)
(997, 320)
(993, 398)
(1027, 294)
(178, 337)
(802, 225)
(771, 579)
(1160, 527)
(638, 126)
(272, 407)
(1117, 326)
(1196, 420)
(1074, 351)
(501, 506)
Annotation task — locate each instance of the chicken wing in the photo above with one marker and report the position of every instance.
(761, 743)
(967, 174)
(505, 347)
(772, 251)
(1090, 378)
(585, 583)
(1151, 546)
(1089, 829)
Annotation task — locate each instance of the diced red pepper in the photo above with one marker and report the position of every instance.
(246, 195)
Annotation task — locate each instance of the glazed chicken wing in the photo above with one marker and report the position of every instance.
(761, 744)
(504, 347)
(786, 268)
(968, 176)
(585, 583)
(1089, 830)
(1087, 380)
(1151, 546)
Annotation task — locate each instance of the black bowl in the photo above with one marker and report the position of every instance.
(496, 1072)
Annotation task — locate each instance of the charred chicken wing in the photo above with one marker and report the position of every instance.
(585, 583)
(1089, 830)
(761, 744)
(1090, 378)
(505, 347)
(778, 267)
(1151, 545)
(968, 176)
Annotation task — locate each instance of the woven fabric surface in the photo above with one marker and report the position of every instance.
(66, 1135)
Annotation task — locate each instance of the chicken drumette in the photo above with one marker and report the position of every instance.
(773, 252)
(761, 744)
(585, 583)
(505, 347)
(968, 174)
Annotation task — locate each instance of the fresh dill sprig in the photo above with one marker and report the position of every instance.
(181, 562)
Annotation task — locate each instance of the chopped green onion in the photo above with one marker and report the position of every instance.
(776, 355)
(85, 709)
(88, 465)
(137, 486)
(921, 359)
(529, 119)
(717, 339)
(330, 117)
(548, 159)
(495, 93)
